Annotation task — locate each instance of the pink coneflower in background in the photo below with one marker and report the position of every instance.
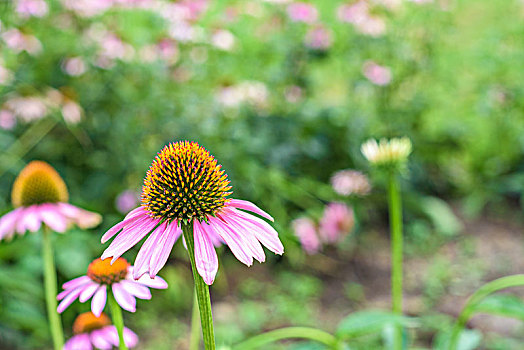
(302, 12)
(18, 42)
(186, 186)
(318, 38)
(377, 74)
(350, 182)
(28, 8)
(40, 196)
(223, 39)
(359, 15)
(338, 220)
(91, 332)
(74, 66)
(7, 119)
(27, 108)
(102, 275)
(127, 200)
(306, 231)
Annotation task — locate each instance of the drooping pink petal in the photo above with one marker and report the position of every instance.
(157, 282)
(123, 298)
(8, 223)
(79, 341)
(99, 301)
(246, 205)
(111, 334)
(100, 340)
(130, 338)
(236, 244)
(88, 292)
(133, 216)
(163, 249)
(76, 282)
(136, 289)
(262, 230)
(82, 218)
(52, 217)
(143, 258)
(206, 259)
(28, 220)
(69, 298)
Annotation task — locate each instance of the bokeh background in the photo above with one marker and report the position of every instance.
(282, 93)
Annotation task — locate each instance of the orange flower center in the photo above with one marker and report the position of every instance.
(101, 271)
(38, 183)
(88, 322)
(185, 182)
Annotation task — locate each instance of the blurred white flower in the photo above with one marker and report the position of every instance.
(74, 66)
(72, 112)
(6, 76)
(359, 15)
(223, 39)
(293, 93)
(27, 108)
(251, 92)
(372, 26)
(7, 119)
(87, 8)
(386, 152)
(28, 8)
(350, 182)
(377, 74)
(18, 42)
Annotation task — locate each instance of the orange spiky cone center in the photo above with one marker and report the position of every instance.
(38, 183)
(101, 271)
(185, 182)
(88, 322)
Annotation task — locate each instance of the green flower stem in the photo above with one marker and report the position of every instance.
(118, 319)
(289, 333)
(50, 290)
(395, 220)
(202, 291)
(476, 298)
(194, 341)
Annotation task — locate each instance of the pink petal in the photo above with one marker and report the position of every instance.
(246, 205)
(157, 282)
(129, 219)
(163, 249)
(143, 258)
(262, 230)
(235, 243)
(83, 218)
(205, 255)
(8, 223)
(88, 292)
(69, 298)
(99, 301)
(79, 342)
(28, 220)
(76, 282)
(136, 289)
(123, 298)
(100, 340)
(52, 217)
(130, 338)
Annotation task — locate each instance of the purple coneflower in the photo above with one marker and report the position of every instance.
(92, 331)
(101, 275)
(338, 220)
(186, 186)
(40, 196)
(306, 231)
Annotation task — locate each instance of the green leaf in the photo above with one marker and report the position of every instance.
(502, 305)
(469, 339)
(365, 322)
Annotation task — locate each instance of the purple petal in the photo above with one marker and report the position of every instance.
(128, 220)
(88, 292)
(246, 205)
(163, 249)
(123, 298)
(136, 289)
(235, 243)
(69, 298)
(75, 282)
(143, 258)
(262, 230)
(99, 301)
(206, 259)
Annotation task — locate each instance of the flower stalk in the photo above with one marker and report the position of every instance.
(395, 214)
(202, 291)
(118, 320)
(194, 341)
(50, 287)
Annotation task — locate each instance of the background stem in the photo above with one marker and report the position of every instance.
(395, 220)
(288, 333)
(118, 319)
(194, 341)
(55, 323)
(202, 291)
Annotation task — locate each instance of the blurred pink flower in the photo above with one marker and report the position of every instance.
(126, 201)
(223, 39)
(318, 38)
(6, 76)
(353, 13)
(27, 108)
(74, 66)
(377, 74)
(87, 8)
(348, 182)
(372, 26)
(71, 111)
(7, 119)
(293, 94)
(18, 42)
(302, 12)
(305, 230)
(338, 220)
(251, 92)
(28, 8)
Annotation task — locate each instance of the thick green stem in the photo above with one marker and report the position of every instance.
(118, 319)
(395, 220)
(194, 341)
(288, 333)
(50, 290)
(202, 291)
(477, 297)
